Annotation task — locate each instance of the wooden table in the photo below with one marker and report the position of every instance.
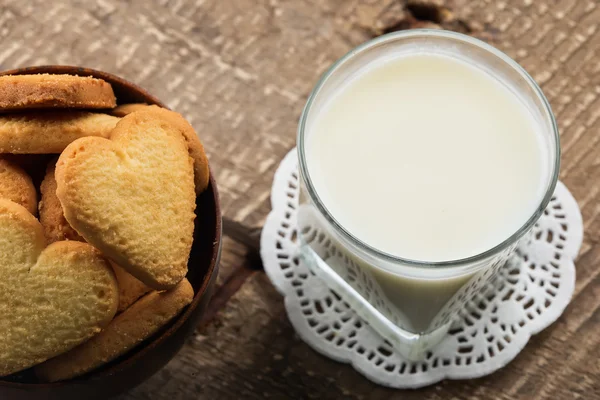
(240, 71)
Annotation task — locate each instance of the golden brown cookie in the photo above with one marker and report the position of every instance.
(51, 298)
(16, 185)
(52, 218)
(126, 109)
(139, 322)
(56, 228)
(18, 92)
(45, 132)
(133, 196)
(130, 288)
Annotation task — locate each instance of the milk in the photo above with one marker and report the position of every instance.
(426, 157)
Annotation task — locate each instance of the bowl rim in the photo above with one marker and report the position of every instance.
(216, 248)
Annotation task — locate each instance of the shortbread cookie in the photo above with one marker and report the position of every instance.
(18, 92)
(201, 172)
(133, 196)
(16, 185)
(45, 132)
(126, 109)
(52, 218)
(51, 298)
(56, 228)
(130, 288)
(139, 322)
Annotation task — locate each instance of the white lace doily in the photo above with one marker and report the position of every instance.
(534, 289)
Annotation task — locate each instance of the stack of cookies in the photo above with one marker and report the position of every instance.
(98, 265)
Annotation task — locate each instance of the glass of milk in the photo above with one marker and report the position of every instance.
(425, 157)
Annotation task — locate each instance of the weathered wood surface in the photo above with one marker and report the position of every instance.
(240, 71)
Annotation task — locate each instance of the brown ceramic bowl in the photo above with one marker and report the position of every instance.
(130, 370)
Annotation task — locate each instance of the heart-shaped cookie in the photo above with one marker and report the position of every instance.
(130, 328)
(51, 298)
(56, 228)
(132, 196)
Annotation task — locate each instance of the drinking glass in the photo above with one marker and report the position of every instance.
(410, 303)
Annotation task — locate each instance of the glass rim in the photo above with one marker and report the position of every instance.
(373, 251)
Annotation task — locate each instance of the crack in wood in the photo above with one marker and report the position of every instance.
(427, 14)
(425, 11)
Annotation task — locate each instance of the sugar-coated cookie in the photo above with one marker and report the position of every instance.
(126, 109)
(139, 322)
(45, 132)
(16, 185)
(51, 298)
(18, 92)
(133, 196)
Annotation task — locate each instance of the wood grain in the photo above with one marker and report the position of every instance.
(240, 71)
